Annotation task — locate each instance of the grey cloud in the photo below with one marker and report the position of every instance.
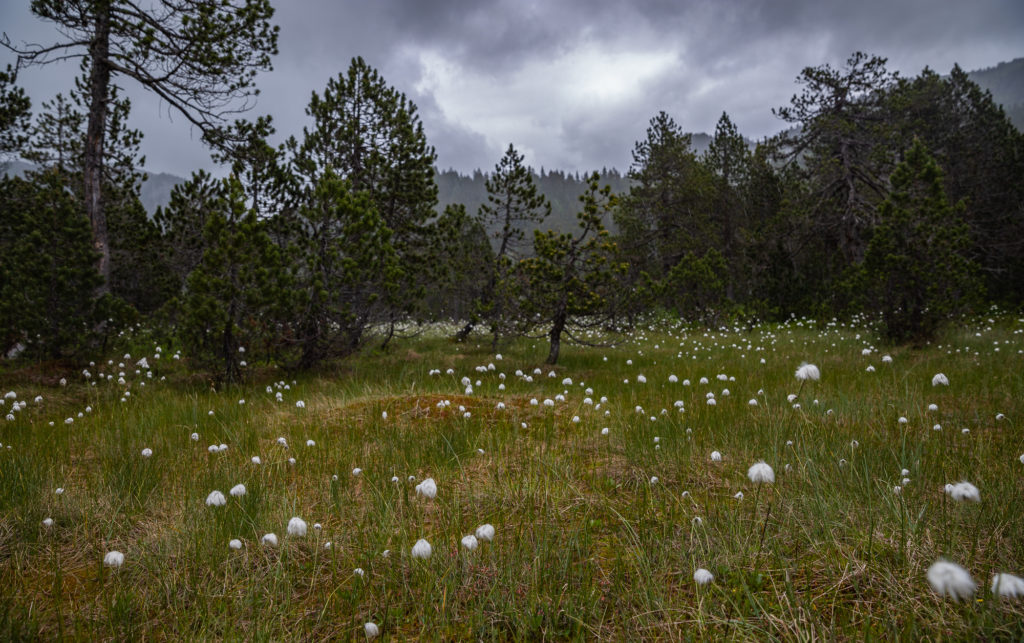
(740, 56)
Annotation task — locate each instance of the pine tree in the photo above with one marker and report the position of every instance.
(369, 134)
(840, 141)
(728, 159)
(15, 112)
(512, 202)
(916, 265)
(347, 264)
(200, 58)
(47, 268)
(572, 277)
(239, 294)
(666, 213)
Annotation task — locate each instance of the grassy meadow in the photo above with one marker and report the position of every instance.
(597, 535)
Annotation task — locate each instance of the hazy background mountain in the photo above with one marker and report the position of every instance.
(1006, 82)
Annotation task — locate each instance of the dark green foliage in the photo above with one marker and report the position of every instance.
(239, 293)
(695, 287)
(15, 112)
(201, 58)
(572, 277)
(728, 159)
(47, 268)
(348, 270)
(466, 255)
(916, 266)
(140, 273)
(181, 224)
(841, 145)
(513, 202)
(982, 156)
(665, 214)
(368, 134)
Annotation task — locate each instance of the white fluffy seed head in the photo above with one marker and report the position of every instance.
(238, 490)
(113, 559)
(963, 491)
(703, 576)
(470, 542)
(940, 378)
(952, 580)
(427, 489)
(297, 527)
(760, 473)
(1007, 585)
(716, 456)
(422, 549)
(371, 630)
(808, 372)
(270, 540)
(235, 544)
(485, 532)
(216, 499)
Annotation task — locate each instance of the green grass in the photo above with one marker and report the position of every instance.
(587, 547)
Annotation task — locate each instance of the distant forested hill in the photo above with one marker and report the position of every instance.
(1006, 82)
(561, 188)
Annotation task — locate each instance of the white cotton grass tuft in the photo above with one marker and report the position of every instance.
(113, 559)
(1007, 585)
(422, 549)
(470, 542)
(963, 491)
(952, 580)
(238, 490)
(270, 540)
(235, 544)
(147, 452)
(760, 473)
(427, 489)
(808, 372)
(216, 499)
(297, 527)
(371, 630)
(716, 456)
(940, 378)
(485, 532)
(48, 522)
(703, 576)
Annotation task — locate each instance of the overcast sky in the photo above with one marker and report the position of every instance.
(571, 83)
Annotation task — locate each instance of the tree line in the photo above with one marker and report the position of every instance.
(898, 196)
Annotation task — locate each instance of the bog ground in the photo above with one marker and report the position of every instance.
(597, 534)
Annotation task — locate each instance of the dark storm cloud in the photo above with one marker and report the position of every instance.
(573, 83)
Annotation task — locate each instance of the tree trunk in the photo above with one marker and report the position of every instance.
(556, 337)
(99, 89)
(464, 332)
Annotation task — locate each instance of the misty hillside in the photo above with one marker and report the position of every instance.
(1006, 82)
